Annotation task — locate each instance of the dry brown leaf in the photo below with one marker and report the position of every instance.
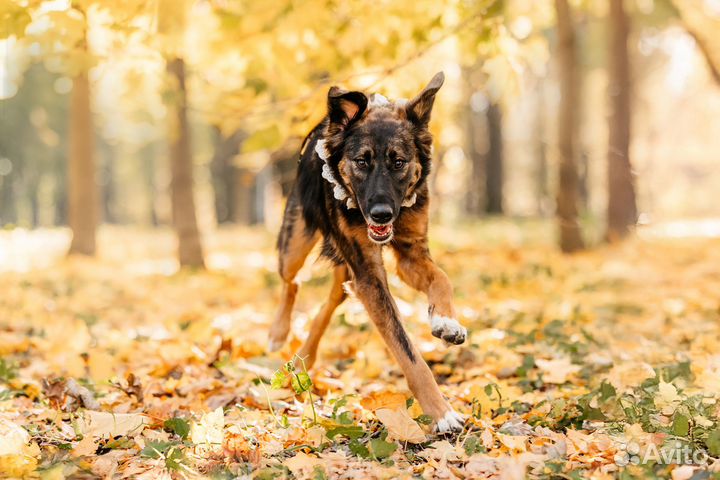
(302, 465)
(487, 438)
(87, 446)
(209, 431)
(385, 399)
(106, 424)
(442, 450)
(400, 426)
(516, 443)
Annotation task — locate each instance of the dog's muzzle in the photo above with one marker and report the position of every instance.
(380, 233)
(380, 227)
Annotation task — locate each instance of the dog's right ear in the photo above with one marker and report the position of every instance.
(345, 107)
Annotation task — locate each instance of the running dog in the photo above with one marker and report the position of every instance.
(361, 186)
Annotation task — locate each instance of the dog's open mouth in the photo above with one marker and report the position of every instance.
(380, 233)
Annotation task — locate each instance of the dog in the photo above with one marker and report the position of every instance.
(361, 186)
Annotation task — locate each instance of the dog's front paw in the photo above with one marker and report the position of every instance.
(448, 329)
(451, 422)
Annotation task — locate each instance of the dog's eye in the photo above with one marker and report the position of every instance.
(363, 160)
(399, 164)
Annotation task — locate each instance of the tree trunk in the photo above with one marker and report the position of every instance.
(224, 175)
(246, 207)
(477, 151)
(285, 162)
(109, 194)
(190, 252)
(147, 156)
(622, 209)
(8, 212)
(34, 205)
(584, 180)
(494, 163)
(567, 210)
(82, 188)
(60, 192)
(485, 152)
(542, 174)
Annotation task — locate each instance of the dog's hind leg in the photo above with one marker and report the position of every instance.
(294, 245)
(308, 352)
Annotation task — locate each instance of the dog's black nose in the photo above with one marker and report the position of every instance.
(381, 213)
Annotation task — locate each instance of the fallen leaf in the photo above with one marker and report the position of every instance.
(106, 424)
(400, 426)
(385, 399)
(516, 443)
(487, 438)
(557, 371)
(302, 465)
(683, 472)
(209, 430)
(86, 446)
(12, 437)
(442, 450)
(628, 375)
(667, 398)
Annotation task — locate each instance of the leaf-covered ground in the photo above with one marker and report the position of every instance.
(600, 365)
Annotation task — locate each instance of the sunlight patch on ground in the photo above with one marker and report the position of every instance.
(699, 228)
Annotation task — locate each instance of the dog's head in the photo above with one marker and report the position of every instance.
(380, 151)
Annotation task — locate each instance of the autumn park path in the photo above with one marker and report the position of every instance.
(124, 367)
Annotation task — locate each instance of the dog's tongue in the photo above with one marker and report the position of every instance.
(380, 230)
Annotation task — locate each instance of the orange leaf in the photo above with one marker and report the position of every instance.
(378, 400)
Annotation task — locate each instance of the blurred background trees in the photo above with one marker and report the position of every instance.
(189, 114)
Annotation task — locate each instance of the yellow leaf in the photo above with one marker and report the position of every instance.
(17, 466)
(442, 450)
(209, 430)
(302, 464)
(628, 375)
(487, 438)
(106, 424)
(556, 371)
(667, 397)
(12, 438)
(516, 443)
(400, 426)
(101, 365)
(86, 446)
(385, 399)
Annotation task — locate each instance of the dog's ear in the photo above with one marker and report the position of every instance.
(419, 108)
(345, 107)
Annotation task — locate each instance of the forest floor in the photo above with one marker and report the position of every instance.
(603, 364)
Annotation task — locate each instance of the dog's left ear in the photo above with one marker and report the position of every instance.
(345, 107)
(419, 108)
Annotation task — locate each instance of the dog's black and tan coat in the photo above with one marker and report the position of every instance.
(362, 185)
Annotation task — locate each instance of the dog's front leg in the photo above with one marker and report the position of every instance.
(417, 269)
(372, 290)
